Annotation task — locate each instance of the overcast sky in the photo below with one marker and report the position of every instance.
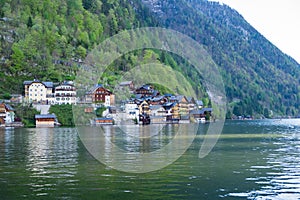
(277, 20)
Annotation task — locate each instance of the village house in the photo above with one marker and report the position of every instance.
(147, 90)
(65, 93)
(39, 92)
(191, 103)
(7, 115)
(158, 114)
(172, 111)
(45, 120)
(144, 112)
(100, 95)
(131, 110)
(200, 115)
(127, 84)
(183, 105)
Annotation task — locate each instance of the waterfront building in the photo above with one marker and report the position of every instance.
(65, 93)
(39, 92)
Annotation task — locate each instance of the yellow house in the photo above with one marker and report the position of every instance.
(37, 91)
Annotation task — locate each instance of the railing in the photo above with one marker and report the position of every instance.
(65, 95)
(65, 89)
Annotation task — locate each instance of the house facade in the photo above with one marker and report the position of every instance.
(131, 110)
(39, 92)
(65, 93)
(47, 120)
(127, 84)
(99, 94)
(7, 114)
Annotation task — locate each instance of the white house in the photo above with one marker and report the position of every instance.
(131, 110)
(7, 114)
(65, 93)
(158, 110)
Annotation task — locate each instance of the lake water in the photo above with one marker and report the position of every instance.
(251, 160)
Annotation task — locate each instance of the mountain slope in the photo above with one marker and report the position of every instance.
(258, 76)
(48, 39)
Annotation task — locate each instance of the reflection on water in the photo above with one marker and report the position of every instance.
(36, 158)
(252, 160)
(281, 172)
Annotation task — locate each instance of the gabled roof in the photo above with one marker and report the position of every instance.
(169, 105)
(180, 98)
(190, 99)
(97, 86)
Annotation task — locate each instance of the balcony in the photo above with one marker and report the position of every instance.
(65, 89)
(65, 95)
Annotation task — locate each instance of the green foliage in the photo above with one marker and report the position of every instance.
(6, 96)
(99, 111)
(27, 114)
(63, 113)
(81, 117)
(161, 88)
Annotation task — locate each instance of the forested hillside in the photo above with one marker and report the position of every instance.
(46, 39)
(49, 40)
(258, 77)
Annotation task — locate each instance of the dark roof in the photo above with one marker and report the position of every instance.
(155, 107)
(96, 87)
(159, 98)
(47, 84)
(146, 87)
(45, 116)
(201, 112)
(8, 107)
(168, 95)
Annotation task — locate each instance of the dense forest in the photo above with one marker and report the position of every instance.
(258, 77)
(49, 40)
